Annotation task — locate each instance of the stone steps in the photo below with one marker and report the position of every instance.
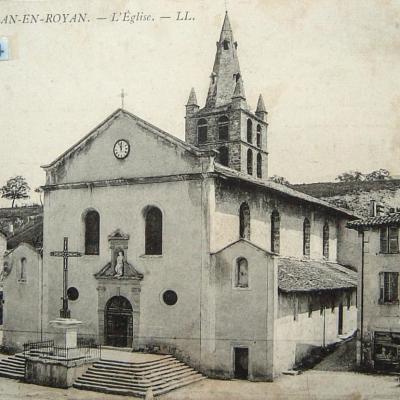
(13, 367)
(138, 382)
(134, 379)
(140, 371)
(157, 391)
(153, 375)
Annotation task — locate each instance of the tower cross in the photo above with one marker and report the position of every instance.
(123, 95)
(65, 254)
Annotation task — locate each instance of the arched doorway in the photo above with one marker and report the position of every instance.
(118, 322)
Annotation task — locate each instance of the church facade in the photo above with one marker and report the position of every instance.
(187, 248)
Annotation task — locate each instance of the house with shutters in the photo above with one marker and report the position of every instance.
(187, 248)
(378, 291)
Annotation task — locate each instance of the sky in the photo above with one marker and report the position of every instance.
(328, 71)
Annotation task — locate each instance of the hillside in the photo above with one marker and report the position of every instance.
(355, 196)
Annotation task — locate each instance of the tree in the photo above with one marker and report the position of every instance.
(378, 175)
(15, 188)
(279, 179)
(350, 176)
(356, 176)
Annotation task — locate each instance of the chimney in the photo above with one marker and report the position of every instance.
(380, 209)
(11, 227)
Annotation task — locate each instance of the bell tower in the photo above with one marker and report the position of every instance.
(226, 123)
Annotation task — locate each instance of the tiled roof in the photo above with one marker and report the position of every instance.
(283, 189)
(389, 219)
(309, 275)
(31, 233)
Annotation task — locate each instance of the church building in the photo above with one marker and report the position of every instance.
(188, 249)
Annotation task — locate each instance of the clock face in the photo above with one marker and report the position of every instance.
(121, 149)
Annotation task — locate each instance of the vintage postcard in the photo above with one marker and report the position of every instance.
(199, 199)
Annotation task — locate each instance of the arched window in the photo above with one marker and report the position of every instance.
(223, 157)
(275, 231)
(259, 166)
(153, 231)
(306, 237)
(325, 240)
(258, 135)
(249, 131)
(92, 233)
(249, 162)
(202, 131)
(226, 44)
(242, 273)
(22, 270)
(223, 128)
(244, 221)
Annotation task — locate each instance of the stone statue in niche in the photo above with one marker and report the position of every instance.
(118, 267)
(119, 264)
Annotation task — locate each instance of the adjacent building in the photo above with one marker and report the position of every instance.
(378, 277)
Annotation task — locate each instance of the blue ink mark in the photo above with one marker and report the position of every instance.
(3, 49)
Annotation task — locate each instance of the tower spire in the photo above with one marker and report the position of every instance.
(226, 70)
(261, 111)
(192, 101)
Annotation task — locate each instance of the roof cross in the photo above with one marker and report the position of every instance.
(123, 95)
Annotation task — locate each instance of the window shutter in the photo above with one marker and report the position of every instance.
(386, 287)
(394, 286)
(384, 240)
(393, 239)
(306, 237)
(325, 240)
(381, 287)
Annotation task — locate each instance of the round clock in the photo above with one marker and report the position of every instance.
(121, 149)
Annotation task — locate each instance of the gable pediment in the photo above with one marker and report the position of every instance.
(152, 152)
(129, 273)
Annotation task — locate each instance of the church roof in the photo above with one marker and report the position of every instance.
(31, 233)
(226, 69)
(248, 243)
(192, 101)
(261, 105)
(280, 189)
(310, 275)
(116, 114)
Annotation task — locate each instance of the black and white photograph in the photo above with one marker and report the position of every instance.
(199, 200)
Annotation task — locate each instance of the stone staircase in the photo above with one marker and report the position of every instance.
(161, 375)
(13, 367)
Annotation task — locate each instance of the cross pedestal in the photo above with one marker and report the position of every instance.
(67, 335)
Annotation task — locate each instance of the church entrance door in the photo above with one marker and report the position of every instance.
(118, 322)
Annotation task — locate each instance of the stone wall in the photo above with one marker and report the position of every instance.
(241, 316)
(23, 299)
(178, 268)
(225, 223)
